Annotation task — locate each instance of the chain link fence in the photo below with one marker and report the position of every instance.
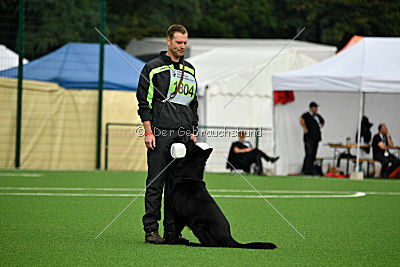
(125, 148)
(42, 124)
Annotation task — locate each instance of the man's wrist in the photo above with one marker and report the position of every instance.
(195, 130)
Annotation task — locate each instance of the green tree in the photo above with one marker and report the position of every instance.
(50, 24)
(134, 18)
(336, 21)
(236, 19)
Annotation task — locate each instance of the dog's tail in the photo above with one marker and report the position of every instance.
(256, 245)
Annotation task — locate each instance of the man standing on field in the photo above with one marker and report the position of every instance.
(312, 123)
(167, 107)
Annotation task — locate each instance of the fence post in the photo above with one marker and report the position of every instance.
(21, 29)
(101, 76)
(106, 148)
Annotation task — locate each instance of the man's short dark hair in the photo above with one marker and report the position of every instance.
(175, 28)
(313, 104)
(380, 126)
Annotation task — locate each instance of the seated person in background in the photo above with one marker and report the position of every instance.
(380, 148)
(242, 155)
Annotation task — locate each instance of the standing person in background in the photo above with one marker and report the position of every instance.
(380, 148)
(312, 123)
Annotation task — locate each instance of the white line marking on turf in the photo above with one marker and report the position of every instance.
(266, 200)
(210, 190)
(21, 174)
(70, 189)
(71, 194)
(384, 193)
(141, 193)
(358, 194)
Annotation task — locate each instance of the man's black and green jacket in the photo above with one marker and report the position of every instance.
(152, 90)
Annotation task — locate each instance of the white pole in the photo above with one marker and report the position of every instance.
(359, 131)
(273, 127)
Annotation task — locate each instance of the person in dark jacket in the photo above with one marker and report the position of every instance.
(312, 123)
(380, 149)
(242, 155)
(168, 109)
(366, 134)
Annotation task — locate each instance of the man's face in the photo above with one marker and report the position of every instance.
(178, 44)
(384, 130)
(314, 110)
(242, 136)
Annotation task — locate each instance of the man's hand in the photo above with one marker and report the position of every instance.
(305, 131)
(193, 137)
(150, 141)
(390, 142)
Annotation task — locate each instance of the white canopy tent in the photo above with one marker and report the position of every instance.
(222, 73)
(368, 72)
(8, 58)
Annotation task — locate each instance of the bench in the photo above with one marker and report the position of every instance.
(369, 162)
(321, 159)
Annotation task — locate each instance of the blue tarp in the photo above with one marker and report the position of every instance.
(76, 66)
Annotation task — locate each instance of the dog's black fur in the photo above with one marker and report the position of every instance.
(193, 206)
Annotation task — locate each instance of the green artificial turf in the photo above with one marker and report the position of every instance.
(60, 230)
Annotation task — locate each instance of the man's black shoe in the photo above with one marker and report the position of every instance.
(153, 237)
(274, 159)
(172, 238)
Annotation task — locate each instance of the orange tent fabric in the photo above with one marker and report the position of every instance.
(355, 39)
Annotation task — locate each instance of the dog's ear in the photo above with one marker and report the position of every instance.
(203, 150)
(207, 153)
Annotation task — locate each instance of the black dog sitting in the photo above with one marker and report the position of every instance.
(193, 206)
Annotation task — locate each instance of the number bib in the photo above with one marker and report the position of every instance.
(186, 92)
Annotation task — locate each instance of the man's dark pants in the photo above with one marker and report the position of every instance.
(310, 147)
(385, 161)
(157, 161)
(255, 156)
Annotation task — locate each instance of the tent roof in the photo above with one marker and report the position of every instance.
(372, 65)
(224, 62)
(354, 40)
(8, 58)
(197, 46)
(76, 65)
(221, 66)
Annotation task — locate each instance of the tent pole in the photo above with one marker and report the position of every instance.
(363, 109)
(359, 130)
(205, 105)
(273, 127)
